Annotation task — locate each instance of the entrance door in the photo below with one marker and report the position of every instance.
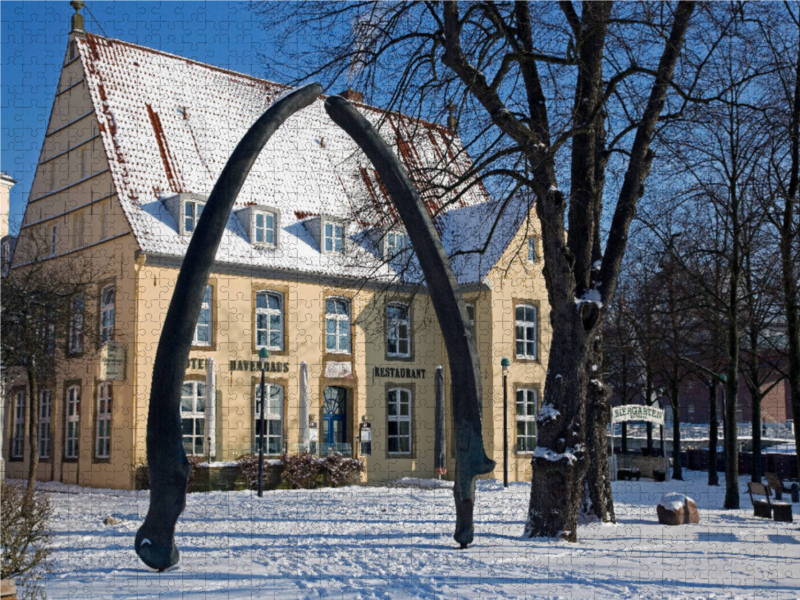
(334, 423)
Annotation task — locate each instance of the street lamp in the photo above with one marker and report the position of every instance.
(505, 363)
(263, 356)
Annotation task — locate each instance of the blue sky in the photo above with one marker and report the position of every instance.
(34, 39)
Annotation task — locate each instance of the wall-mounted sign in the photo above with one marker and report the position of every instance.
(338, 370)
(399, 373)
(254, 365)
(637, 412)
(112, 362)
(365, 436)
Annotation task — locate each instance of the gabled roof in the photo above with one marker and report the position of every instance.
(169, 124)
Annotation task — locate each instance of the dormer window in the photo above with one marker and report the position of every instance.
(192, 209)
(395, 244)
(334, 238)
(264, 228)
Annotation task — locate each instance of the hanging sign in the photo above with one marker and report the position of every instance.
(112, 362)
(637, 412)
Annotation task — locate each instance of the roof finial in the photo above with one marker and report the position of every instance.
(77, 18)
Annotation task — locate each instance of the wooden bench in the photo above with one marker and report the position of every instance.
(777, 485)
(779, 511)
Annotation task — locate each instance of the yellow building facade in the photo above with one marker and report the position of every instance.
(312, 267)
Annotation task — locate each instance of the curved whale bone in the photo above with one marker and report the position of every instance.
(451, 312)
(166, 459)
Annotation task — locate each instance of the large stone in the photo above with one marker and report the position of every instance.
(677, 509)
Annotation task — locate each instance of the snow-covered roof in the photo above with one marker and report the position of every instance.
(169, 124)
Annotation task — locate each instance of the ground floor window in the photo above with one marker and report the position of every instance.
(526, 420)
(73, 417)
(45, 411)
(399, 430)
(193, 416)
(18, 440)
(272, 441)
(103, 431)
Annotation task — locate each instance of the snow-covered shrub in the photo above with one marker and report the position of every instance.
(339, 469)
(25, 538)
(301, 470)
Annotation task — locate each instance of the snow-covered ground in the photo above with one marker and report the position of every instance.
(395, 542)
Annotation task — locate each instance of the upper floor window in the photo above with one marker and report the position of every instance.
(45, 414)
(526, 420)
(269, 320)
(395, 244)
(264, 228)
(73, 417)
(79, 230)
(103, 430)
(273, 419)
(526, 335)
(192, 210)
(334, 237)
(193, 416)
(53, 240)
(533, 255)
(202, 331)
(399, 425)
(76, 325)
(398, 330)
(337, 325)
(107, 314)
(18, 440)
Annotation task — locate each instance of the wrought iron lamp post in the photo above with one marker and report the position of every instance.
(505, 363)
(263, 355)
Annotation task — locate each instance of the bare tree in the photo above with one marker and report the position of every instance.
(45, 319)
(546, 94)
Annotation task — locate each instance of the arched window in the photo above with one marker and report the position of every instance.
(269, 320)
(398, 330)
(107, 314)
(273, 418)
(527, 344)
(398, 405)
(193, 416)
(337, 325)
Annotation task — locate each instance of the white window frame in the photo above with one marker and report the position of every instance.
(395, 403)
(72, 420)
(533, 249)
(393, 330)
(107, 310)
(396, 243)
(205, 319)
(530, 396)
(76, 325)
(336, 237)
(102, 443)
(53, 240)
(341, 326)
(268, 314)
(45, 418)
(18, 437)
(265, 230)
(195, 415)
(526, 332)
(274, 440)
(189, 221)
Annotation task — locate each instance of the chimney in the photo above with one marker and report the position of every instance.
(77, 18)
(352, 96)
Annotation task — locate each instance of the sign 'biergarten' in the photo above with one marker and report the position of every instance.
(637, 412)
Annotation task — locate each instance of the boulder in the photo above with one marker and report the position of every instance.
(677, 509)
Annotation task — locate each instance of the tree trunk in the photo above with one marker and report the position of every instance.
(755, 420)
(598, 498)
(33, 430)
(731, 440)
(677, 468)
(713, 477)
